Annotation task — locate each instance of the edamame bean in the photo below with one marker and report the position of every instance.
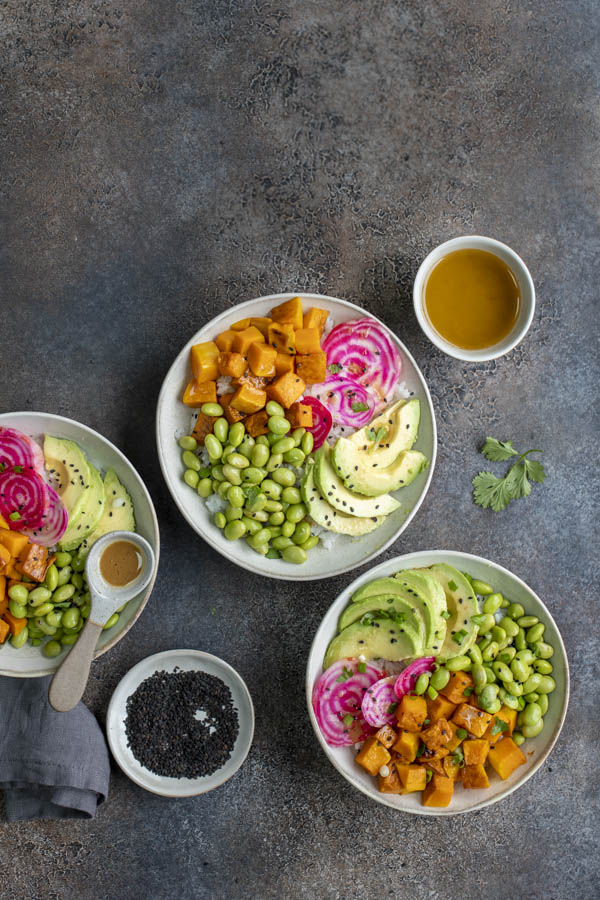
(288, 528)
(527, 621)
(259, 455)
(547, 684)
(440, 678)
(232, 474)
(275, 461)
(502, 671)
(479, 677)
(17, 609)
(111, 622)
(484, 621)
(223, 489)
(422, 683)
(68, 639)
(85, 610)
(271, 489)
(51, 579)
(221, 429)
(531, 698)
(217, 473)
(278, 425)
(498, 634)
(510, 626)
(312, 541)
(252, 526)
(77, 580)
(51, 649)
(63, 559)
(540, 665)
(43, 610)
(507, 655)
(296, 512)
(71, 618)
(525, 656)
(236, 434)
(543, 650)
(484, 643)
(277, 518)
(263, 439)
(227, 451)
(298, 434)
(62, 593)
(38, 596)
(302, 533)
(19, 594)
(490, 651)
(532, 683)
(520, 670)
(492, 603)
(261, 515)
(494, 706)
(508, 699)
(204, 488)
(518, 738)
(531, 731)
(232, 513)
(458, 664)
(291, 495)
(234, 530)
(253, 474)
(307, 443)
(432, 693)
(535, 633)
(220, 520)
(213, 447)
(272, 506)
(482, 587)
(272, 438)
(54, 618)
(211, 409)
(263, 536)
(247, 446)
(284, 477)
(514, 688)
(515, 611)
(519, 640)
(191, 461)
(274, 409)
(543, 703)
(283, 445)
(505, 603)
(281, 542)
(294, 457)
(488, 694)
(235, 496)
(239, 460)
(294, 555)
(191, 478)
(64, 575)
(43, 626)
(475, 654)
(261, 549)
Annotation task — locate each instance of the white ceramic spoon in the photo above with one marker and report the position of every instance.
(70, 679)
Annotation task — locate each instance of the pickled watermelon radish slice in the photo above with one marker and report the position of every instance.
(337, 697)
(380, 702)
(348, 401)
(322, 421)
(18, 449)
(23, 498)
(54, 522)
(362, 351)
(405, 683)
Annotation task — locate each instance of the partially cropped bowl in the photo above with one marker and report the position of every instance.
(536, 749)
(518, 269)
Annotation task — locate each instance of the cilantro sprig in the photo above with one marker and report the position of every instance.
(490, 491)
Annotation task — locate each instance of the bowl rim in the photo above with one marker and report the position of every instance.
(383, 798)
(157, 658)
(465, 242)
(207, 536)
(86, 428)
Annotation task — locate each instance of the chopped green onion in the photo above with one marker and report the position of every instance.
(362, 667)
(14, 516)
(348, 720)
(461, 733)
(453, 585)
(459, 636)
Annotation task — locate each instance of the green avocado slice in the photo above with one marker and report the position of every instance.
(424, 584)
(335, 492)
(462, 604)
(398, 429)
(362, 474)
(118, 511)
(89, 514)
(379, 640)
(69, 473)
(396, 609)
(422, 597)
(325, 515)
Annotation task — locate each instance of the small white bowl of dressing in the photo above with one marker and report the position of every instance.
(474, 298)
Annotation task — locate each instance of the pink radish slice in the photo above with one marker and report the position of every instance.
(366, 355)
(23, 493)
(322, 421)
(405, 683)
(349, 402)
(380, 702)
(54, 522)
(337, 698)
(18, 449)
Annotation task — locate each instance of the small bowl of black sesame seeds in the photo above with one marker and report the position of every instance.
(180, 723)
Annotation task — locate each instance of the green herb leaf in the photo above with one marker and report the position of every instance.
(346, 674)
(334, 368)
(428, 775)
(499, 726)
(14, 516)
(358, 406)
(491, 491)
(458, 757)
(18, 469)
(361, 667)
(461, 733)
(459, 636)
(535, 470)
(251, 491)
(445, 614)
(498, 451)
(453, 585)
(468, 691)
(392, 708)
(348, 719)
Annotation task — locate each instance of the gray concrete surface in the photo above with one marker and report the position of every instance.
(163, 161)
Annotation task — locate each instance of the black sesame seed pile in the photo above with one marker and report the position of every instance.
(181, 724)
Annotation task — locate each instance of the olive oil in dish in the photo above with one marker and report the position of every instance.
(121, 563)
(472, 299)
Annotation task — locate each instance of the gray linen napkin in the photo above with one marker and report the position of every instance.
(53, 765)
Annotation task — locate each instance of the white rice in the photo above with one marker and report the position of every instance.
(224, 383)
(215, 504)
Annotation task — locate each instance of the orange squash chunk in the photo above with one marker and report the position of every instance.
(33, 562)
(454, 691)
(286, 389)
(15, 625)
(3, 523)
(475, 777)
(4, 630)
(474, 720)
(454, 741)
(451, 768)
(289, 312)
(5, 556)
(313, 367)
(411, 713)
(248, 399)
(232, 364)
(3, 594)
(256, 424)
(372, 755)
(438, 792)
(413, 778)
(308, 340)
(262, 323)
(14, 541)
(505, 757)
(440, 708)
(436, 735)
(203, 359)
(196, 394)
(435, 764)
(300, 416)
(243, 339)
(390, 784)
(241, 325)
(232, 415)
(505, 715)
(315, 318)
(282, 338)
(284, 363)
(261, 359)
(202, 427)
(476, 752)
(406, 746)
(386, 735)
(225, 340)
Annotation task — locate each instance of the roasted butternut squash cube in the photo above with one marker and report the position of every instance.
(505, 757)
(257, 381)
(504, 714)
(455, 740)
(315, 318)
(282, 338)
(289, 312)
(474, 720)
(438, 792)
(16, 625)
(33, 562)
(413, 778)
(241, 325)
(3, 594)
(435, 764)
(284, 363)
(243, 339)
(372, 755)
(312, 368)
(475, 777)
(455, 689)
(390, 784)
(203, 359)
(261, 359)
(202, 427)
(262, 323)
(407, 745)
(386, 735)
(224, 341)
(256, 424)
(14, 541)
(411, 713)
(451, 767)
(475, 752)
(3, 522)
(5, 555)
(4, 630)
(427, 757)
(286, 389)
(248, 399)
(231, 414)
(440, 708)
(11, 572)
(300, 416)
(436, 735)
(232, 364)
(308, 340)
(196, 394)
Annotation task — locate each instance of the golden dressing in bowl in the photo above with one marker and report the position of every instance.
(472, 299)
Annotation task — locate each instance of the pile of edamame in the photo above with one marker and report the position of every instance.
(57, 608)
(510, 663)
(256, 479)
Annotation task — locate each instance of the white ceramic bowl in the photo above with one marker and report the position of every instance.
(29, 661)
(187, 660)
(173, 420)
(536, 749)
(521, 273)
